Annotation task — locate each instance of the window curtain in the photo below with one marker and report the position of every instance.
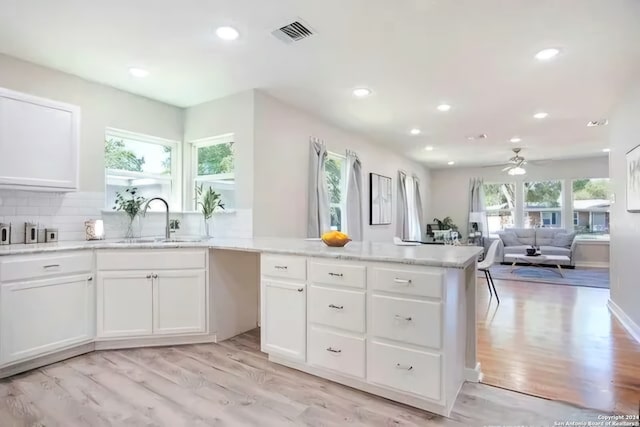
(318, 220)
(354, 196)
(403, 209)
(409, 208)
(477, 203)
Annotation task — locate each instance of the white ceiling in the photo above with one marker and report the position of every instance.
(477, 56)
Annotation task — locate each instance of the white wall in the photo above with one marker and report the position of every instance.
(450, 187)
(102, 107)
(281, 169)
(625, 226)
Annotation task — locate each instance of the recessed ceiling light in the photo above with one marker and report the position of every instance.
(444, 107)
(451, 163)
(547, 54)
(138, 72)
(428, 148)
(227, 33)
(361, 92)
(515, 139)
(415, 131)
(540, 115)
(477, 137)
(606, 150)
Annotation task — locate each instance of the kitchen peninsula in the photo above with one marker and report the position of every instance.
(396, 321)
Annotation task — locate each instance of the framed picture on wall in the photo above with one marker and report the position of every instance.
(633, 180)
(379, 199)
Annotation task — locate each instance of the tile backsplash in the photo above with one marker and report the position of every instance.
(65, 211)
(68, 211)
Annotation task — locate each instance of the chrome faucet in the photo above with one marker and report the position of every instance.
(167, 231)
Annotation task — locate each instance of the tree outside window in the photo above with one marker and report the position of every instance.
(214, 167)
(591, 205)
(543, 204)
(500, 204)
(334, 169)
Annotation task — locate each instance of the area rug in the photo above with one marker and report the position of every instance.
(589, 277)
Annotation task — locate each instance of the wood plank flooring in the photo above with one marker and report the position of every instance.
(233, 384)
(558, 342)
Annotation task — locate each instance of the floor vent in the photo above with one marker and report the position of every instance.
(293, 32)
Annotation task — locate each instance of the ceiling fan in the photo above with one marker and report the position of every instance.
(516, 163)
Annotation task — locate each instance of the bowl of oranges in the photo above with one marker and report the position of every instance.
(335, 239)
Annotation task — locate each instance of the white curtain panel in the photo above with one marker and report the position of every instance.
(318, 220)
(403, 209)
(477, 202)
(354, 196)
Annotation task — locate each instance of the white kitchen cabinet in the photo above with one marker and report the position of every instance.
(41, 316)
(125, 304)
(284, 319)
(179, 304)
(39, 143)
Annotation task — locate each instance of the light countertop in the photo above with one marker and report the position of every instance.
(426, 255)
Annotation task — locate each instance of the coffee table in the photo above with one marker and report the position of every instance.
(550, 262)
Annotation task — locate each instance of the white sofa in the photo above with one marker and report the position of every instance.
(552, 241)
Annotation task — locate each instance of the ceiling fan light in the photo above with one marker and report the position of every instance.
(517, 171)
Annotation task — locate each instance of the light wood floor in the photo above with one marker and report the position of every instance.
(233, 384)
(558, 342)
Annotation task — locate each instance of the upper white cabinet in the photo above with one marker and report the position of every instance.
(39, 143)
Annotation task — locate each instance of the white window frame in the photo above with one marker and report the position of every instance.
(511, 211)
(176, 161)
(190, 193)
(562, 209)
(343, 189)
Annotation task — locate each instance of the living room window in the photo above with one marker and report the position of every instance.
(500, 205)
(543, 204)
(148, 163)
(213, 165)
(335, 172)
(591, 205)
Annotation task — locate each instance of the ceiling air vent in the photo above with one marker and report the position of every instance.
(293, 32)
(601, 122)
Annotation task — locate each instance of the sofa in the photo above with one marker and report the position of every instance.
(552, 241)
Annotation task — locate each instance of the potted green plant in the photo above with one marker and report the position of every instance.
(129, 202)
(446, 224)
(208, 201)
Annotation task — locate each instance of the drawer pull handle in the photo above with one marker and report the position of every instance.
(336, 274)
(402, 281)
(332, 350)
(300, 289)
(52, 266)
(408, 368)
(408, 319)
(280, 267)
(337, 307)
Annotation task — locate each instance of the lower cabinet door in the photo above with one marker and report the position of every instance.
(284, 319)
(125, 304)
(179, 302)
(38, 317)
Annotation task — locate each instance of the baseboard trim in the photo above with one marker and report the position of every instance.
(473, 375)
(592, 264)
(153, 341)
(632, 327)
(47, 359)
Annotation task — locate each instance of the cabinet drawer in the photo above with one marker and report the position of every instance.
(426, 283)
(404, 369)
(39, 266)
(336, 273)
(282, 266)
(152, 259)
(338, 352)
(407, 320)
(338, 308)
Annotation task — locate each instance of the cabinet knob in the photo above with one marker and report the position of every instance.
(155, 276)
(148, 276)
(90, 279)
(300, 289)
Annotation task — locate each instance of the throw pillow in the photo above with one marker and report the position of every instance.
(563, 240)
(509, 239)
